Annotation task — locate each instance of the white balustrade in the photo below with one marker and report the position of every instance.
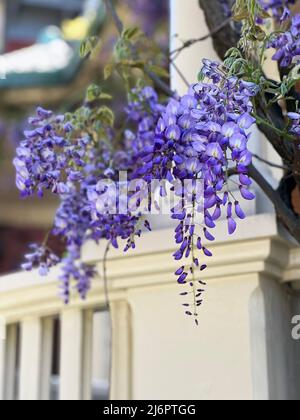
(155, 348)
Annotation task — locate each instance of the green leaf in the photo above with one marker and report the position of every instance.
(240, 10)
(108, 70)
(159, 71)
(95, 92)
(133, 63)
(88, 45)
(240, 16)
(105, 96)
(233, 52)
(201, 76)
(295, 73)
(132, 34)
(122, 50)
(106, 116)
(258, 33)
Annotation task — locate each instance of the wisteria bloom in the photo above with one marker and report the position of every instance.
(201, 136)
(287, 44)
(295, 123)
(190, 143)
(47, 159)
(278, 8)
(42, 258)
(54, 158)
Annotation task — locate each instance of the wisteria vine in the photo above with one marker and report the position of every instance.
(194, 147)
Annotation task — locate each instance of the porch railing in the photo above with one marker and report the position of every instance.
(52, 351)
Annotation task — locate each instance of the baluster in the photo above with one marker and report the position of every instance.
(30, 370)
(47, 349)
(87, 355)
(10, 363)
(2, 360)
(121, 352)
(71, 354)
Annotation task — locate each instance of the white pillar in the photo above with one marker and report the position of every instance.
(271, 341)
(101, 347)
(296, 343)
(46, 363)
(30, 369)
(71, 354)
(188, 22)
(87, 355)
(2, 364)
(259, 352)
(121, 378)
(10, 363)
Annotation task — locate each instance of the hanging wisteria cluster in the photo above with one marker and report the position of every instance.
(56, 156)
(190, 150)
(287, 44)
(200, 138)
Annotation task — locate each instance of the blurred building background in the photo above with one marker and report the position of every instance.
(40, 65)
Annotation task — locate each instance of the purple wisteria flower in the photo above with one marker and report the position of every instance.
(287, 44)
(42, 258)
(199, 137)
(278, 8)
(295, 123)
(47, 159)
(52, 157)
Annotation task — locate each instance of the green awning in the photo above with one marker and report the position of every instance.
(44, 65)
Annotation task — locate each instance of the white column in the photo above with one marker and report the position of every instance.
(188, 22)
(101, 347)
(46, 364)
(71, 354)
(87, 355)
(296, 343)
(30, 369)
(271, 341)
(259, 354)
(10, 362)
(121, 378)
(2, 367)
